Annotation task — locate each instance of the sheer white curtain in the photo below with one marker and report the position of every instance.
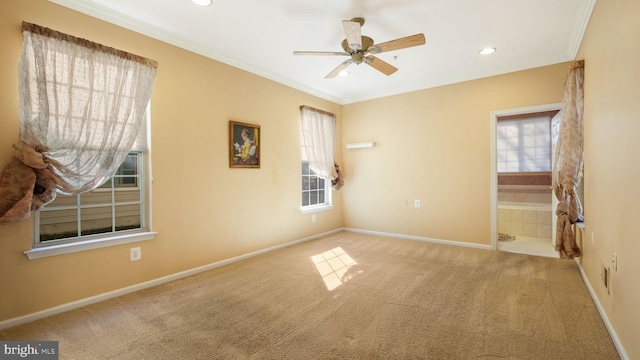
(82, 105)
(319, 141)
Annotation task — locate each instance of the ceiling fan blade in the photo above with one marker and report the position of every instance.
(380, 65)
(354, 36)
(337, 70)
(405, 42)
(320, 53)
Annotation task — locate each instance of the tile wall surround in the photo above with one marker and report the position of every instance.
(525, 220)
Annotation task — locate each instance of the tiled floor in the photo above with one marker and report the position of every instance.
(529, 245)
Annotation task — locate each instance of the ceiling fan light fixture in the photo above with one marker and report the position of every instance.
(487, 51)
(359, 49)
(201, 2)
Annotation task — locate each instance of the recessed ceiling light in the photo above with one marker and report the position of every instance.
(202, 2)
(487, 51)
(343, 73)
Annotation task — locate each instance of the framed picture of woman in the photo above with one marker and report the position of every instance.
(244, 145)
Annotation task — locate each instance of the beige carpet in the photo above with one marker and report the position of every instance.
(389, 299)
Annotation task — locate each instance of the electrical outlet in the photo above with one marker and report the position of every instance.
(135, 253)
(314, 218)
(614, 262)
(416, 203)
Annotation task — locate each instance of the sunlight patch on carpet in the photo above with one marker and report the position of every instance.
(333, 266)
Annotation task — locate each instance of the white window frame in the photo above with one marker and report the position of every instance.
(326, 205)
(96, 241)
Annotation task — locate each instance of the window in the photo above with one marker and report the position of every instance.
(524, 145)
(117, 206)
(314, 188)
(82, 105)
(317, 140)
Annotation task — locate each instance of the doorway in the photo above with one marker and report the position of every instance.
(521, 196)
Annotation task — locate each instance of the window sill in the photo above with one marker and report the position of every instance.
(61, 249)
(312, 209)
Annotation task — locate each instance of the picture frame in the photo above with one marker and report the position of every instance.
(244, 145)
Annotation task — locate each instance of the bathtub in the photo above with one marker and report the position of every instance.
(525, 219)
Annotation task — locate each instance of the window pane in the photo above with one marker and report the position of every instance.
(528, 140)
(127, 217)
(543, 127)
(125, 176)
(523, 144)
(502, 156)
(127, 195)
(528, 165)
(95, 198)
(313, 187)
(58, 224)
(96, 220)
(125, 181)
(63, 200)
(129, 166)
(543, 154)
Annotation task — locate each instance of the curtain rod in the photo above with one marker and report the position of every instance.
(40, 30)
(576, 65)
(302, 107)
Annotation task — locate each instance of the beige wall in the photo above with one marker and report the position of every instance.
(434, 145)
(611, 50)
(202, 210)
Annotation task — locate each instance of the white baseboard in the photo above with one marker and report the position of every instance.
(9, 323)
(420, 238)
(603, 315)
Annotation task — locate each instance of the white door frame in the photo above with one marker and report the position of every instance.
(494, 158)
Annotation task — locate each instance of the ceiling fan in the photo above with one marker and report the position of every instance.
(358, 48)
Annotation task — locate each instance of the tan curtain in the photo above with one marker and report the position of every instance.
(82, 106)
(568, 162)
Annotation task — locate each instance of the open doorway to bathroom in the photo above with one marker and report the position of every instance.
(522, 196)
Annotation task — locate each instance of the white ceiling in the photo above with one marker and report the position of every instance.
(260, 36)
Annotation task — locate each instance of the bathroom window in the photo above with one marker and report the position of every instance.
(524, 144)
